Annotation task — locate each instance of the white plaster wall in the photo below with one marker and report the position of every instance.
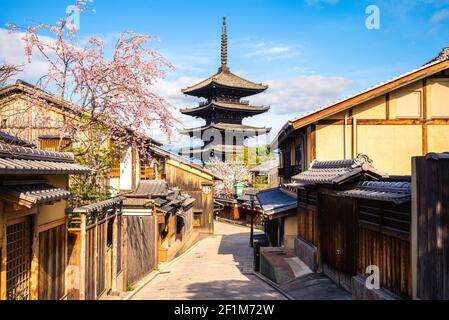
(126, 170)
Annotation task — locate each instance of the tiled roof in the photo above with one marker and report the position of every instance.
(397, 192)
(226, 106)
(23, 160)
(227, 126)
(437, 156)
(220, 148)
(180, 158)
(276, 200)
(336, 172)
(99, 205)
(34, 192)
(227, 79)
(150, 189)
(136, 202)
(13, 139)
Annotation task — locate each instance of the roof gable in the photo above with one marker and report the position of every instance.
(369, 94)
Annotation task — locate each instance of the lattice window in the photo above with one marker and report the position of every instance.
(54, 144)
(146, 171)
(18, 261)
(115, 167)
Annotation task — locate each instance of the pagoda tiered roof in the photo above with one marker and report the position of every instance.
(220, 148)
(227, 80)
(227, 127)
(222, 104)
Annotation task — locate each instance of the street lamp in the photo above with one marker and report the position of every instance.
(251, 237)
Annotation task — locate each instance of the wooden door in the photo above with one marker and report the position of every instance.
(18, 263)
(338, 239)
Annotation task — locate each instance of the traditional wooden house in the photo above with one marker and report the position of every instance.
(352, 217)
(16, 116)
(392, 122)
(193, 179)
(96, 250)
(279, 212)
(171, 215)
(33, 234)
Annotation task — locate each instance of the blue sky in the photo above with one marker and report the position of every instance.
(310, 52)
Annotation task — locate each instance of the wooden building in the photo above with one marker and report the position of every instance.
(392, 122)
(96, 250)
(193, 179)
(129, 170)
(430, 227)
(351, 216)
(33, 235)
(16, 116)
(278, 206)
(223, 110)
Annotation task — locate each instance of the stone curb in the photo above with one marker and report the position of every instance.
(273, 285)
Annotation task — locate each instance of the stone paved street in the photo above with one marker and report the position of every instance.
(218, 267)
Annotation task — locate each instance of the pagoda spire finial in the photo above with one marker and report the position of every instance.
(224, 47)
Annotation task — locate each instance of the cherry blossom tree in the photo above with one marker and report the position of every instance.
(7, 71)
(107, 97)
(230, 172)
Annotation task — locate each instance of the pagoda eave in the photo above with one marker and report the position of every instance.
(234, 107)
(235, 129)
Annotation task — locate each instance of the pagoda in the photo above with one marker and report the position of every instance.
(223, 109)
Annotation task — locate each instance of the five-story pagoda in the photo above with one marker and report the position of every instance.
(223, 110)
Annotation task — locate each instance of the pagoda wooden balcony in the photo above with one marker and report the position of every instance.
(225, 100)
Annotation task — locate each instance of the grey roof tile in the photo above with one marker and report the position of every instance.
(99, 205)
(150, 188)
(390, 191)
(35, 193)
(335, 172)
(276, 200)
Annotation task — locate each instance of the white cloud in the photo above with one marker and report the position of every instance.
(440, 16)
(301, 94)
(12, 52)
(269, 51)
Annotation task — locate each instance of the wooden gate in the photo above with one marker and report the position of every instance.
(142, 247)
(338, 239)
(18, 240)
(52, 263)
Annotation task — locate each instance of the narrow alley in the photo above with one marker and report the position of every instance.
(218, 267)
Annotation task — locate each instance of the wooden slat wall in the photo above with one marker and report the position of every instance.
(191, 184)
(119, 242)
(384, 241)
(141, 247)
(391, 255)
(432, 197)
(101, 258)
(90, 270)
(308, 228)
(52, 263)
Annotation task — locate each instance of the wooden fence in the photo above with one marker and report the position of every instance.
(431, 180)
(141, 247)
(384, 241)
(52, 263)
